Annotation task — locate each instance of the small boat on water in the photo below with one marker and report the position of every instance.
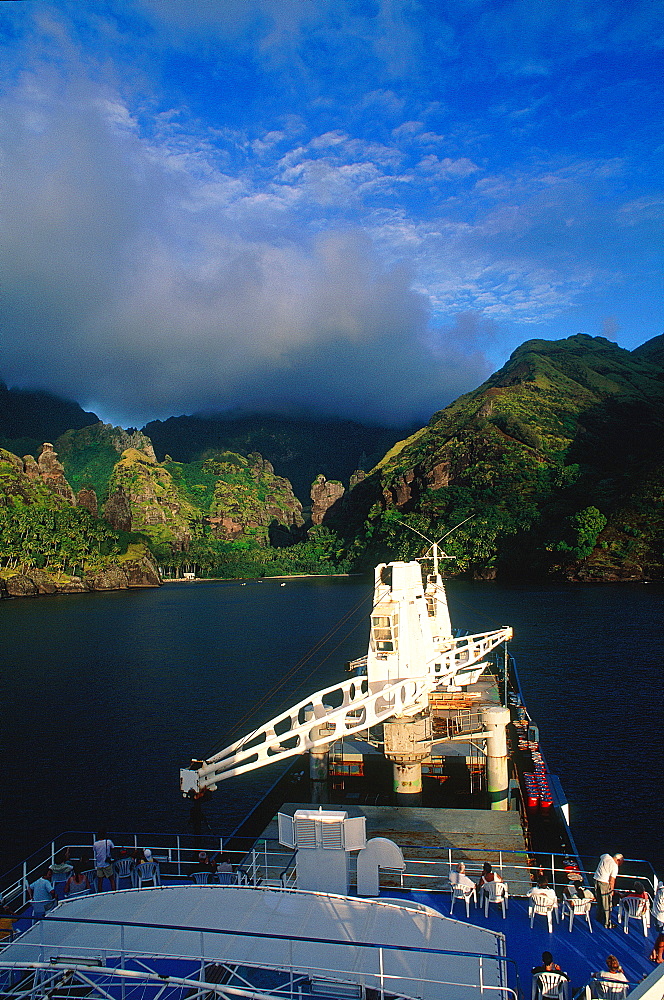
(423, 759)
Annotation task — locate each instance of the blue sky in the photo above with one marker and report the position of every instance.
(355, 207)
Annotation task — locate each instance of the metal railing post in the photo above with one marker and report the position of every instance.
(381, 972)
(178, 849)
(122, 958)
(290, 965)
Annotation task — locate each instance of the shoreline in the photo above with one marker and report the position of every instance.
(259, 579)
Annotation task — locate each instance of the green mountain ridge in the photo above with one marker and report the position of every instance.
(559, 449)
(299, 448)
(228, 516)
(552, 468)
(49, 543)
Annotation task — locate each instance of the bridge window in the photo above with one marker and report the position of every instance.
(431, 606)
(385, 632)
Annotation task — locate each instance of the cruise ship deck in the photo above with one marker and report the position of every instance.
(267, 937)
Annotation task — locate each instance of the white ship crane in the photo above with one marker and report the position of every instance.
(411, 653)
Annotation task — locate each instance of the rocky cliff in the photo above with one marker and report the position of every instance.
(142, 496)
(324, 494)
(249, 499)
(89, 455)
(51, 544)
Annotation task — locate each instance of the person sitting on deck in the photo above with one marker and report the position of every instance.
(548, 965)
(613, 971)
(61, 865)
(7, 920)
(636, 892)
(575, 890)
(205, 863)
(78, 882)
(488, 875)
(549, 968)
(610, 982)
(542, 889)
(224, 867)
(60, 872)
(460, 878)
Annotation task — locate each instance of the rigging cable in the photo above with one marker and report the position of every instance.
(293, 670)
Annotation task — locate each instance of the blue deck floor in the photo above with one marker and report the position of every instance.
(579, 954)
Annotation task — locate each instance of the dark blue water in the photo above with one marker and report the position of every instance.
(106, 696)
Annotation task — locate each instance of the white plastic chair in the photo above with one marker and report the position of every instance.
(541, 904)
(575, 905)
(124, 869)
(633, 908)
(80, 888)
(226, 878)
(201, 878)
(608, 989)
(495, 892)
(549, 986)
(58, 881)
(466, 893)
(147, 872)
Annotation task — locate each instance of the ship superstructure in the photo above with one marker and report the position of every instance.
(411, 653)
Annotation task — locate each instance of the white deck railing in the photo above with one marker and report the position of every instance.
(269, 863)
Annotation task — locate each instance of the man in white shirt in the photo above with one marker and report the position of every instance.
(605, 880)
(103, 860)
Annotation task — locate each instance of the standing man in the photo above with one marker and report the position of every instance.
(605, 880)
(104, 860)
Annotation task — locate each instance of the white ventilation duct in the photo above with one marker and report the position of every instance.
(323, 840)
(380, 853)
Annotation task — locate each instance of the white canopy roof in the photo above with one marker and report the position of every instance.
(187, 916)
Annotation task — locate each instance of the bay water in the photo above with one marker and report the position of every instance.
(105, 696)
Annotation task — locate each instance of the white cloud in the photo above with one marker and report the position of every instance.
(447, 167)
(236, 246)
